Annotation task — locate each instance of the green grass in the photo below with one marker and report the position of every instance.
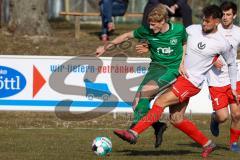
(42, 136)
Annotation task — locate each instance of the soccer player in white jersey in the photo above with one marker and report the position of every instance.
(204, 42)
(219, 83)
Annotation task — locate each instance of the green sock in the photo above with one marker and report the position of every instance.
(141, 109)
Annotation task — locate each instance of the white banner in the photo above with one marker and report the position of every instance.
(41, 83)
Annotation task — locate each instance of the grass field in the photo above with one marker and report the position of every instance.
(42, 136)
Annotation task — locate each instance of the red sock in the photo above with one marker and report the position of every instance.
(234, 135)
(152, 116)
(192, 131)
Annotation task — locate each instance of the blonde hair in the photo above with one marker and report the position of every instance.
(158, 14)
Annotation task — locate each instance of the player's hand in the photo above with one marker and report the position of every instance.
(173, 8)
(142, 48)
(100, 50)
(235, 94)
(218, 64)
(170, 9)
(183, 71)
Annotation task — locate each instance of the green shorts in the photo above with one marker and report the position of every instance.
(162, 75)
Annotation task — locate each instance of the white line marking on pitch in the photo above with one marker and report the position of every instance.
(67, 128)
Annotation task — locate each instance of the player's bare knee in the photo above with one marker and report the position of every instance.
(150, 89)
(161, 102)
(176, 118)
(165, 100)
(235, 116)
(223, 118)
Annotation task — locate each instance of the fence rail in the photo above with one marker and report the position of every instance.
(135, 6)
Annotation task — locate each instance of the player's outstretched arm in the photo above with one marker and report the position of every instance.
(124, 37)
(230, 58)
(182, 69)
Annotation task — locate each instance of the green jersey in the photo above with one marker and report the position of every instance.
(166, 48)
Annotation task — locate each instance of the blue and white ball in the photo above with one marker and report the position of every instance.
(102, 146)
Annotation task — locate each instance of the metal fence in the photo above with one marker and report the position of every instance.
(136, 6)
(55, 6)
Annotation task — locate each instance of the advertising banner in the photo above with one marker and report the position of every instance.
(43, 83)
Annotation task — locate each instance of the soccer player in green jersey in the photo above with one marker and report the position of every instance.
(166, 41)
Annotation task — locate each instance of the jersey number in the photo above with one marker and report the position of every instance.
(216, 100)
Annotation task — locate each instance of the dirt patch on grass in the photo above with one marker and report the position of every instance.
(61, 42)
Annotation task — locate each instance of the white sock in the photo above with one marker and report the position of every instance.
(209, 142)
(133, 132)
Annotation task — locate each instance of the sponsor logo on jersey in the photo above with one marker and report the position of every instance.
(11, 82)
(201, 45)
(173, 41)
(165, 51)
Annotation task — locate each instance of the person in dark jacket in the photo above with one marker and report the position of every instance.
(109, 9)
(176, 8)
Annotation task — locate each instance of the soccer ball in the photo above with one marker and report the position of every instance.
(102, 146)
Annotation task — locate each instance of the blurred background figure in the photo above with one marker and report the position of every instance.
(176, 8)
(108, 10)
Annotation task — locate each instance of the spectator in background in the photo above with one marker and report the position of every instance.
(109, 9)
(176, 8)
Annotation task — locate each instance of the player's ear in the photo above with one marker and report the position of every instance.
(235, 15)
(217, 21)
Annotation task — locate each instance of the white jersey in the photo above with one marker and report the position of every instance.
(201, 49)
(219, 77)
